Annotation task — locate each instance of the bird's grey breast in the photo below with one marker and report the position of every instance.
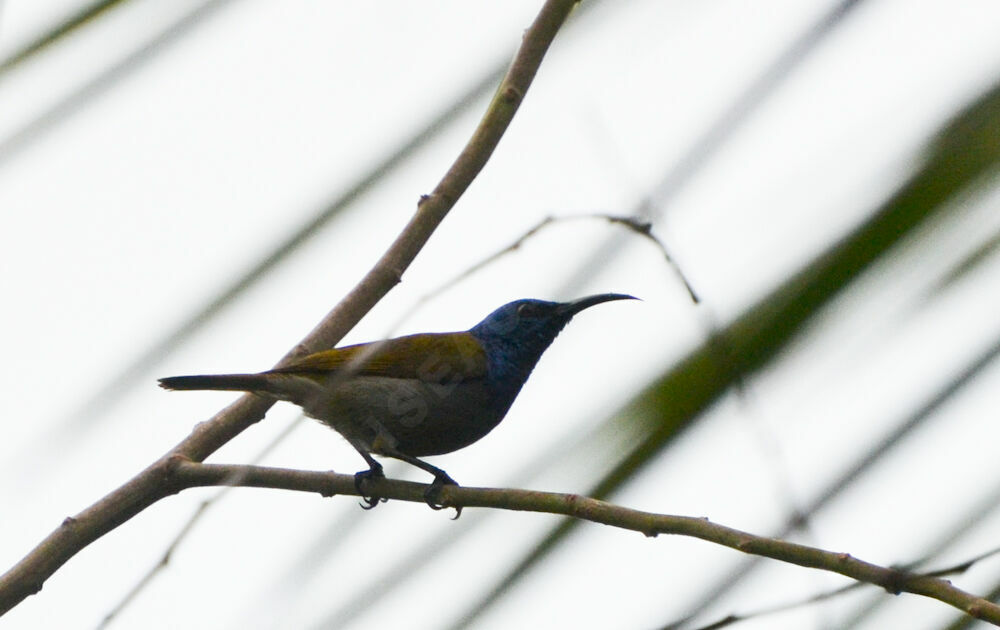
(413, 416)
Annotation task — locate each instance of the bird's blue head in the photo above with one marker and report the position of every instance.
(516, 334)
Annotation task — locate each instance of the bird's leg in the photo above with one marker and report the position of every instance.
(441, 479)
(374, 472)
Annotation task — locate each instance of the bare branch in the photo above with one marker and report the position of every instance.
(182, 474)
(148, 487)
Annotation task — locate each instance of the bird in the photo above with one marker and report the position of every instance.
(418, 395)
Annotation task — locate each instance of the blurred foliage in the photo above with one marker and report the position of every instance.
(955, 162)
(67, 26)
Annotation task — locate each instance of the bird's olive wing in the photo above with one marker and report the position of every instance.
(430, 357)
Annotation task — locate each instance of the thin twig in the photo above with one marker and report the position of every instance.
(190, 524)
(634, 224)
(732, 619)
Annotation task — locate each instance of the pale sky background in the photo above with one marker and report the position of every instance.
(126, 214)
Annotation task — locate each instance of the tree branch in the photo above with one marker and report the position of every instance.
(148, 487)
(181, 474)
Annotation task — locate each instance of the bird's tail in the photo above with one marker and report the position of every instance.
(225, 382)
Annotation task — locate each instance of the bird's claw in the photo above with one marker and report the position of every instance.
(433, 494)
(368, 501)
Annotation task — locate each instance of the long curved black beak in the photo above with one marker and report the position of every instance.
(569, 309)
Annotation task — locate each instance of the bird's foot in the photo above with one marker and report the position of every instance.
(360, 478)
(433, 493)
